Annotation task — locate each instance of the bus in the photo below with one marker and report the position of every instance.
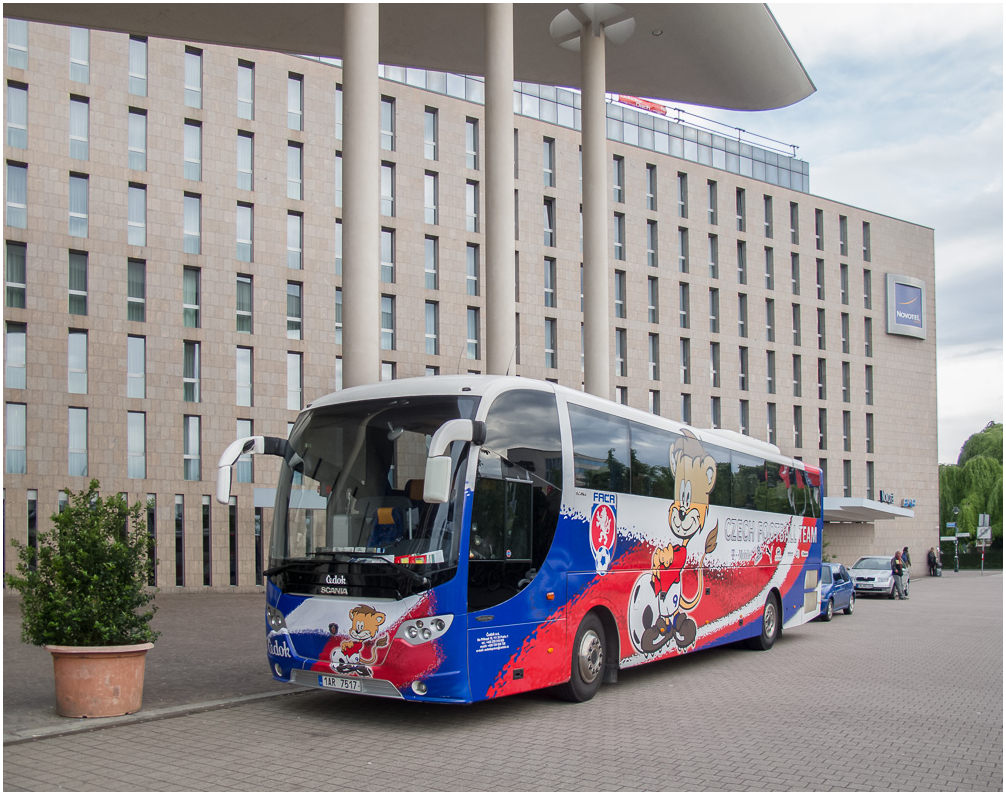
(459, 538)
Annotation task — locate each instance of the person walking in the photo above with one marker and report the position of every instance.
(906, 579)
(898, 570)
(932, 561)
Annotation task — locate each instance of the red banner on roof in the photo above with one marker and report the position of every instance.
(645, 104)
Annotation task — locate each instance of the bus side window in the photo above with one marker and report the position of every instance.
(601, 457)
(517, 497)
(720, 495)
(650, 454)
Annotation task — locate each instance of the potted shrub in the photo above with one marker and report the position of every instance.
(83, 597)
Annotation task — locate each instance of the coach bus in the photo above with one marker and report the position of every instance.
(458, 538)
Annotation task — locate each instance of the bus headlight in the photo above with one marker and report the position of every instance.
(277, 621)
(423, 630)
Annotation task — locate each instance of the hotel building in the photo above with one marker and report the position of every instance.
(173, 243)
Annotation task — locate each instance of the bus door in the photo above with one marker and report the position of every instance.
(516, 590)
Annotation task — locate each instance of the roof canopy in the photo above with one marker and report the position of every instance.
(858, 509)
(729, 55)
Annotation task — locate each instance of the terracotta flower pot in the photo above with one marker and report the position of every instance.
(98, 681)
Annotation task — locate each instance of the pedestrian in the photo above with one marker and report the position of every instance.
(898, 570)
(932, 561)
(906, 558)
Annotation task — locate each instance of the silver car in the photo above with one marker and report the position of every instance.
(872, 575)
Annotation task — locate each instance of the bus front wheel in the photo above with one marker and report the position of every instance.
(771, 625)
(588, 658)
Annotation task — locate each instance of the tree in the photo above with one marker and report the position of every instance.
(988, 442)
(975, 483)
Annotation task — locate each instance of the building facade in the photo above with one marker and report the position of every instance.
(174, 260)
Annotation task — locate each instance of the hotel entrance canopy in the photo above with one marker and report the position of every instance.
(724, 55)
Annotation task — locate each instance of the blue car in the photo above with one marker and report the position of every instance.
(837, 591)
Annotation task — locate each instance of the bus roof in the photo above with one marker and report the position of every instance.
(481, 385)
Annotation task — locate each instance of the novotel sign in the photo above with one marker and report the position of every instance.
(906, 306)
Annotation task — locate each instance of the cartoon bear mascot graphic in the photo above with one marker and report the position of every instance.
(357, 653)
(658, 612)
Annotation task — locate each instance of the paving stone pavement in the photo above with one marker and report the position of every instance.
(897, 697)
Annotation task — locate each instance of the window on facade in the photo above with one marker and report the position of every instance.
(868, 335)
(869, 384)
(246, 90)
(847, 431)
(190, 447)
(843, 236)
(472, 144)
(77, 442)
(621, 352)
(652, 299)
(797, 375)
(136, 367)
(431, 264)
(869, 433)
(136, 224)
(80, 54)
(651, 187)
(472, 349)
(76, 362)
(243, 376)
(136, 290)
(294, 310)
(338, 316)
(714, 310)
(822, 338)
(819, 229)
(620, 294)
(716, 412)
(682, 195)
(866, 241)
(243, 319)
(137, 143)
(79, 127)
(550, 283)
(471, 206)
(388, 189)
(769, 269)
(742, 315)
(388, 124)
(430, 133)
(682, 249)
(138, 66)
(387, 323)
(430, 197)
(742, 262)
(744, 416)
(713, 201)
(683, 308)
(770, 319)
(190, 371)
(770, 372)
(193, 77)
(388, 255)
(472, 268)
(714, 257)
(619, 238)
(244, 232)
(17, 115)
(295, 101)
(17, 195)
(798, 426)
(16, 275)
(191, 298)
(770, 421)
(551, 357)
(192, 223)
(867, 289)
(17, 43)
(136, 444)
(742, 360)
(822, 429)
(16, 439)
(193, 150)
(686, 408)
(846, 382)
(794, 223)
(337, 247)
(797, 335)
(618, 178)
(820, 280)
(822, 379)
(78, 205)
(714, 364)
(295, 241)
(432, 328)
(685, 354)
(78, 282)
(294, 381)
(741, 210)
(243, 468)
(294, 171)
(245, 160)
(845, 332)
(653, 359)
(795, 273)
(15, 371)
(767, 204)
(651, 243)
(548, 162)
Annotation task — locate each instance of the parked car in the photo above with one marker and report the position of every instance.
(837, 591)
(872, 575)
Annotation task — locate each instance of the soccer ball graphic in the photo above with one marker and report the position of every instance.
(643, 609)
(602, 559)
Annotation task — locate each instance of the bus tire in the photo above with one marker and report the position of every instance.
(771, 625)
(588, 660)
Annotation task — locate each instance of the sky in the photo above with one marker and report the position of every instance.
(907, 121)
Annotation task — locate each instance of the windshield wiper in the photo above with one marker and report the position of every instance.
(416, 576)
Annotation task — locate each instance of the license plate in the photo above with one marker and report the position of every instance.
(340, 683)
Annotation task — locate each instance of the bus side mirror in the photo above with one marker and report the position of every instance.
(256, 445)
(437, 485)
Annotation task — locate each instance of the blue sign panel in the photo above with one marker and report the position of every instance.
(908, 305)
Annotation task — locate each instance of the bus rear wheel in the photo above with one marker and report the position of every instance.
(588, 659)
(771, 626)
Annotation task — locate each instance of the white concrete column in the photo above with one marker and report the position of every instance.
(361, 175)
(597, 378)
(501, 304)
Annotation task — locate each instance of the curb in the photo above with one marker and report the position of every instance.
(144, 716)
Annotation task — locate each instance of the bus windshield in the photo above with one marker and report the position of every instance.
(350, 498)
